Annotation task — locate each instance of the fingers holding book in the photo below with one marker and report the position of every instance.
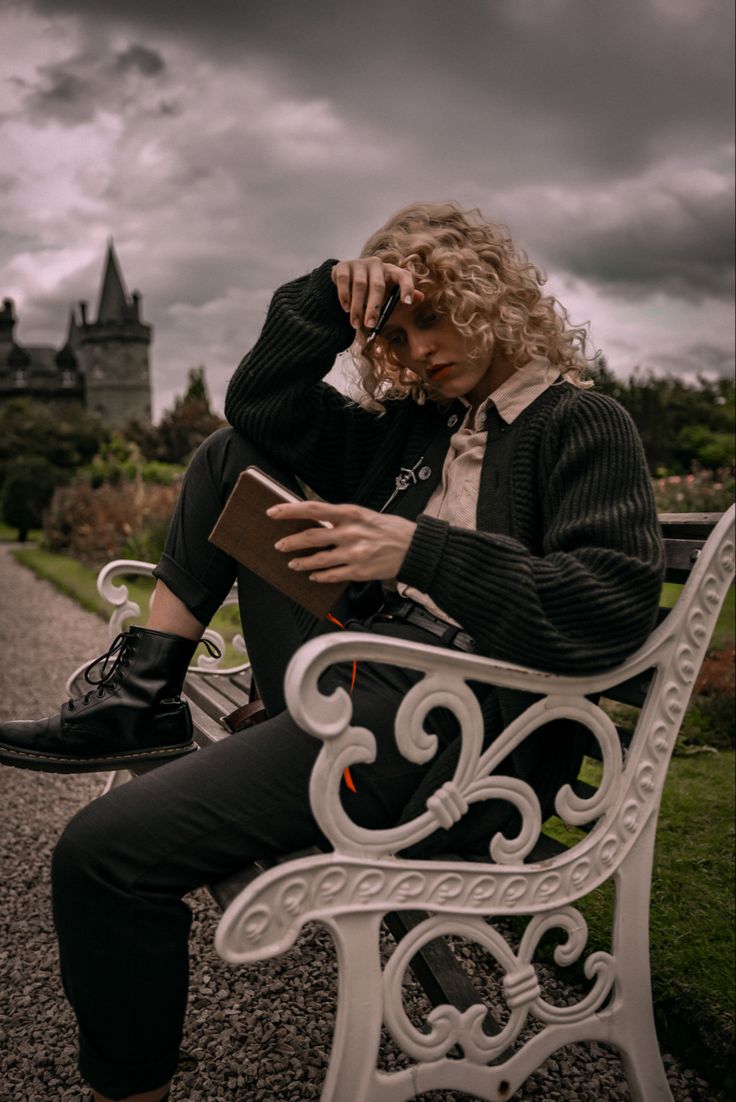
(364, 545)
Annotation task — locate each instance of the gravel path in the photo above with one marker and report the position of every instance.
(260, 1034)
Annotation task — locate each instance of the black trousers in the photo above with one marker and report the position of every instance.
(125, 862)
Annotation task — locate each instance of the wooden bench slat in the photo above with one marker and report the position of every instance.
(227, 691)
(241, 680)
(681, 554)
(633, 691)
(688, 526)
(202, 692)
(206, 729)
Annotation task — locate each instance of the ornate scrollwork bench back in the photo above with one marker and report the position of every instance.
(350, 889)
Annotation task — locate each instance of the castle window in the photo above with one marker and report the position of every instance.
(20, 377)
(67, 377)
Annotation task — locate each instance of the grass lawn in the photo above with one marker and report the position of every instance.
(692, 909)
(725, 629)
(10, 535)
(692, 912)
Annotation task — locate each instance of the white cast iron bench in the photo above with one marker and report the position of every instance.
(361, 883)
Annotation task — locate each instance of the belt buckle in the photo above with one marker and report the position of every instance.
(401, 609)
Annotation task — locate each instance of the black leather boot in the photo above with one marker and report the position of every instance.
(132, 715)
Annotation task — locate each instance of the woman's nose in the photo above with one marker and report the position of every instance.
(420, 345)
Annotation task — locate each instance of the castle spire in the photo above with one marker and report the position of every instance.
(71, 329)
(113, 299)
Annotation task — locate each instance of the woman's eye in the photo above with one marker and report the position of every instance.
(429, 319)
(395, 340)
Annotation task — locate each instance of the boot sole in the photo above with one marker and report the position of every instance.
(53, 763)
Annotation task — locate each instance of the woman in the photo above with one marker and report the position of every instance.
(481, 497)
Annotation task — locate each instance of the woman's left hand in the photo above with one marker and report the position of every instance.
(364, 545)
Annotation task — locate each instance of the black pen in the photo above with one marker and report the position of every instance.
(383, 317)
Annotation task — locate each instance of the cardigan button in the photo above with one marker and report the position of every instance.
(452, 421)
(424, 473)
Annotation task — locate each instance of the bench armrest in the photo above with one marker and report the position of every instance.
(625, 797)
(445, 684)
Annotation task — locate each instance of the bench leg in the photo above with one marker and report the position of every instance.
(634, 1031)
(351, 1072)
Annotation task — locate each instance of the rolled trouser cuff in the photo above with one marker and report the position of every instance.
(198, 599)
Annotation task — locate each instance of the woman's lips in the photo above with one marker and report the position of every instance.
(434, 373)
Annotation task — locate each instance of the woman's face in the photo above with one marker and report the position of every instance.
(429, 345)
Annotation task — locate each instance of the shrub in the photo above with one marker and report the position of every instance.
(710, 720)
(680, 422)
(29, 484)
(95, 524)
(701, 491)
(120, 459)
(66, 436)
(162, 474)
(147, 542)
(701, 445)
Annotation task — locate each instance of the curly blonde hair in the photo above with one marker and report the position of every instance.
(473, 273)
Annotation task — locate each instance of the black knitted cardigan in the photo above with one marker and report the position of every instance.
(564, 570)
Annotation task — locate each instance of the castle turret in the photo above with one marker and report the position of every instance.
(112, 352)
(7, 326)
(70, 378)
(14, 361)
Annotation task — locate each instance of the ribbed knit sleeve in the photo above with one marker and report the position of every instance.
(278, 399)
(588, 596)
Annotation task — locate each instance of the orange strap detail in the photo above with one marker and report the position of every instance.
(346, 772)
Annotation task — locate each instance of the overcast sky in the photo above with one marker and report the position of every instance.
(230, 145)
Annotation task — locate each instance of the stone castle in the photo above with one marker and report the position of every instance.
(103, 364)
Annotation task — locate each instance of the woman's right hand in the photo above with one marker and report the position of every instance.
(364, 284)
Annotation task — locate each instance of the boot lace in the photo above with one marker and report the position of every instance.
(117, 656)
(111, 662)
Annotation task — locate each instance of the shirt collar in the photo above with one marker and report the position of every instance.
(513, 396)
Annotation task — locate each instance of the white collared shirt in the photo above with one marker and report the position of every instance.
(455, 498)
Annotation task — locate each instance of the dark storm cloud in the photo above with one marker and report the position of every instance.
(73, 91)
(232, 145)
(550, 85)
(645, 259)
(62, 94)
(146, 61)
(515, 93)
(671, 233)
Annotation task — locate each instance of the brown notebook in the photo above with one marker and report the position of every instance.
(244, 531)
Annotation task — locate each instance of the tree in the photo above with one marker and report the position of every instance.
(680, 422)
(66, 436)
(181, 429)
(29, 485)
